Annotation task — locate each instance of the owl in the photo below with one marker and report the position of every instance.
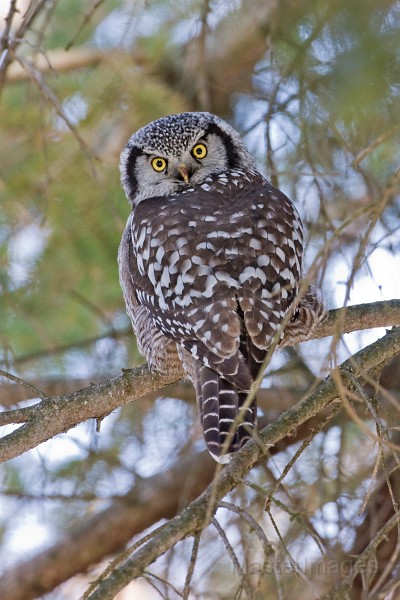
(210, 264)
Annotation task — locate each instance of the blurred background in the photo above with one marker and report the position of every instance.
(314, 88)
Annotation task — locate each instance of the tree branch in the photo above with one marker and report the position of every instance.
(56, 415)
(154, 498)
(200, 512)
(359, 317)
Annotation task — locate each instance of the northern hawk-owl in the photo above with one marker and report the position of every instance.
(210, 263)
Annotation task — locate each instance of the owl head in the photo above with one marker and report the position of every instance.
(177, 152)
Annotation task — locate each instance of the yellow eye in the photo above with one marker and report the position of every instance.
(199, 151)
(159, 164)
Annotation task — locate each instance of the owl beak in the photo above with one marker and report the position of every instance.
(184, 173)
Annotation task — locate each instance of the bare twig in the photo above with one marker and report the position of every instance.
(373, 145)
(33, 389)
(85, 22)
(233, 557)
(114, 334)
(300, 450)
(192, 562)
(48, 94)
(11, 44)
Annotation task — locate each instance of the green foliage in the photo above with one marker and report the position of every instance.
(72, 195)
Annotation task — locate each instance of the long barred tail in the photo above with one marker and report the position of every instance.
(223, 414)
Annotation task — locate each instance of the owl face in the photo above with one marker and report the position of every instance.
(179, 151)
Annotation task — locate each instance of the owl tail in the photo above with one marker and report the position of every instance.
(223, 414)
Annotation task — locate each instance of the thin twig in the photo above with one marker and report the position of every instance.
(192, 562)
(231, 553)
(300, 450)
(48, 94)
(32, 388)
(377, 142)
(85, 21)
(295, 566)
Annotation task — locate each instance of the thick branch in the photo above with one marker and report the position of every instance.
(359, 317)
(104, 534)
(51, 417)
(199, 513)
